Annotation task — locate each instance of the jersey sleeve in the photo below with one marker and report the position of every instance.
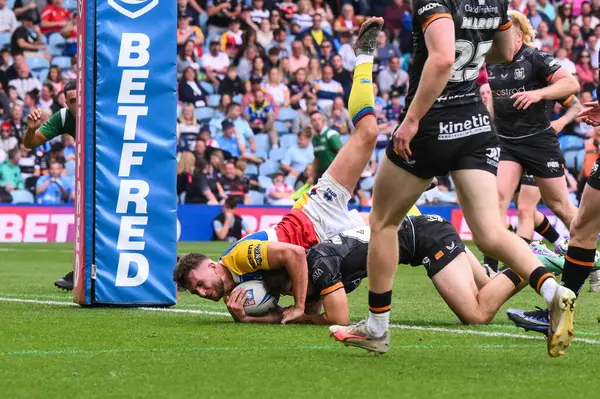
(53, 126)
(334, 140)
(428, 11)
(247, 256)
(324, 274)
(544, 65)
(506, 22)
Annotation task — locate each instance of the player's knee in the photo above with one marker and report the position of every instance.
(489, 240)
(476, 318)
(525, 212)
(367, 129)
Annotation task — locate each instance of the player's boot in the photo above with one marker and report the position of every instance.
(366, 42)
(595, 280)
(535, 320)
(560, 331)
(65, 283)
(562, 247)
(551, 261)
(358, 335)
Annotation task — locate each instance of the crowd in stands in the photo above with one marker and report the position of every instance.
(263, 87)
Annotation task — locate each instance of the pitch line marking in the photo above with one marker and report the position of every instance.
(398, 326)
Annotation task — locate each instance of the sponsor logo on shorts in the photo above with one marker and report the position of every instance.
(480, 23)
(428, 7)
(425, 261)
(493, 156)
(594, 169)
(519, 73)
(356, 282)
(553, 166)
(509, 92)
(476, 124)
(451, 247)
(409, 162)
(249, 298)
(317, 273)
(254, 257)
(329, 194)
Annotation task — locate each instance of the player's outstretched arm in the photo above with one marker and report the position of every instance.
(235, 306)
(33, 136)
(293, 258)
(574, 107)
(503, 49)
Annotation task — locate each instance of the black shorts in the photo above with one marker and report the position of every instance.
(451, 139)
(539, 155)
(431, 241)
(526, 180)
(594, 179)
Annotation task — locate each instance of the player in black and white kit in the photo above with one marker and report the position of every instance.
(446, 128)
(337, 267)
(523, 91)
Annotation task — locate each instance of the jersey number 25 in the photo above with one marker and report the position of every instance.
(469, 60)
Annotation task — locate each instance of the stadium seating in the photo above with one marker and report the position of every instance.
(287, 115)
(570, 142)
(380, 155)
(269, 168)
(282, 128)
(257, 197)
(213, 100)
(580, 159)
(36, 64)
(70, 5)
(4, 39)
(43, 74)
(70, 168)
(204, 114)
(287, 141)
(56, 44)
(207, 87)
(276, 154)
(64, 63)
(251, 169)
(262, 142)
(22, 197)
(344, 138)
(237, 98)
(265, 182)
(367, 184)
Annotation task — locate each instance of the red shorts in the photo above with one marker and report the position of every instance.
(296, 228)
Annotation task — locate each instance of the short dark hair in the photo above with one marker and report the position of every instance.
(275, 281)
(70, 85)
(185, 265)
(230, 203)
(13, 153)
(315, 112)
(231, 105)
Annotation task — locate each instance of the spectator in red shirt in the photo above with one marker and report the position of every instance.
(54, 17)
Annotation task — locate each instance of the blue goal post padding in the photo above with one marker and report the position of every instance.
(126, 225)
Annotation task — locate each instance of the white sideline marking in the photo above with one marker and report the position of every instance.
(398, 326)
(35, 250)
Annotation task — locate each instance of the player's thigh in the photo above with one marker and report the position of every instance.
(509, 174)
(586, 225)
(456, 285)
(554, 191)
(394, 193)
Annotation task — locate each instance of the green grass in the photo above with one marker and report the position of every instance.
(59, 351)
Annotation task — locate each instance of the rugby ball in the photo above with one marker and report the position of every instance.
(258, 300)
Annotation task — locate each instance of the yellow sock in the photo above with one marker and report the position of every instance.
(362, 100)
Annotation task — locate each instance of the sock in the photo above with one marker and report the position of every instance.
(491, 262)
(543, 282)
(527, 240)
(546, 230)
(579, 263)
(362, 100)
(512, 276)
(379, 313)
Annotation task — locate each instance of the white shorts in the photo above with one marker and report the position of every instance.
(326, 205)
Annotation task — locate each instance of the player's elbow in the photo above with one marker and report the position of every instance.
(443, 60)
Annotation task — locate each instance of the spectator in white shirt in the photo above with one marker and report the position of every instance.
(298, 157)
(347, 52)
(215, 62)
(561, 57)
(327, 89)
(392, 77)
(280, 193)
(7, 140)
(25, 82)
(8, 21)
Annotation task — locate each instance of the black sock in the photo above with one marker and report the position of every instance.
(537, 278)
(548, 231)
(514, 277)
(491, 262)
(527, 240)
(380, 303)
(579, 263)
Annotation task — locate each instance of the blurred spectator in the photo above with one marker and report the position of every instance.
(7, 141)
(30, 101)
(260, 115)
(191, 9)
(394, 12)
(264, 33)
(187, 32)
(246, 61)
(277, 24)
(280, 193)
(212, 171)
(347, 52)
(56, 79)
(394, 108)
(340, 74)
(205, 134)
(29, 8)
(303, 17)
(547, 8)
(348, 22)
(298, 59)
(280, 43)
(190, 90)
(8, 21)
(231, 41)
(234, 186)
(46, 99)
(230, 141)
(277, 89)
(585, 72)
(326, 53)
(273, 59)
(300, 90)
(317, 33)
(562, 23)
(53, 188)
(392, 77)
(338, 116)
(221, 110)
(25, 81)
(27, 163)
(309, 47)
(299, 156)
(17, 121)
(324, 10)
(256, 84)
(189, 128)
(326, 143)
(54, 17)
(187, 58)
(587, 29)
(561, 58)
(215, 62)
(232, 84)
(285, 71)
(586, 11)
(385, 52)
(69, 32)
(546, 38)
(220, 13)
(327, 88)
(69, 151)
(259, 13)
(192, 182)
(302, 120)
(27, 40)
(200, 150)
(228, 226)
(10, 173)
(259, 70)
(234, 115)
(4, 104)
(71, 74)
(314, 72)
(534, 16)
